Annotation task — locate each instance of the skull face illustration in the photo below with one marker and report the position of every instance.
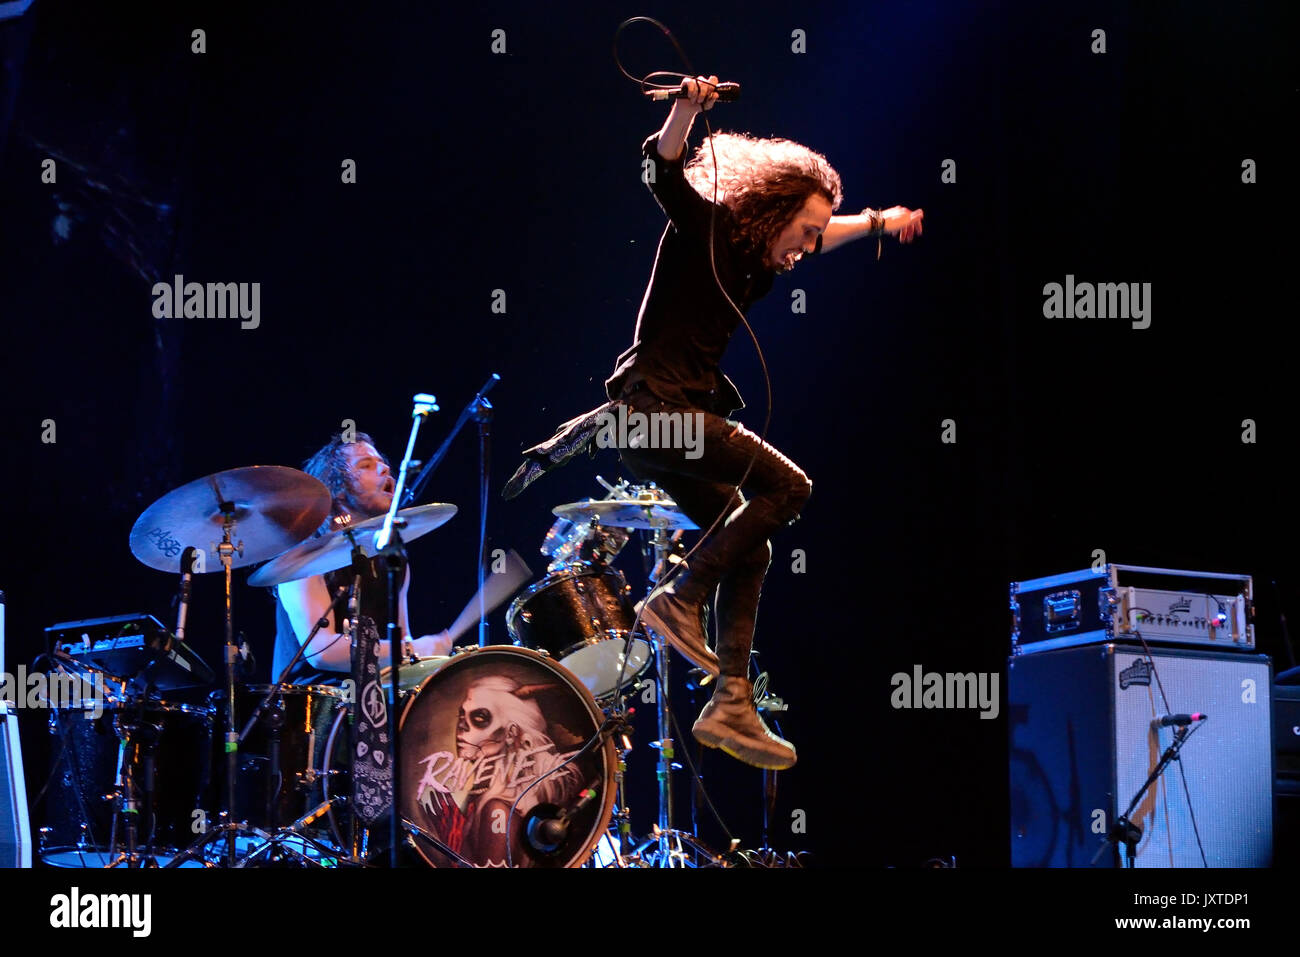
(493, 719)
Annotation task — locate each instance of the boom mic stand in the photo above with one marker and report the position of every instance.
(1124, 831)
(388, 545)
(480, 410)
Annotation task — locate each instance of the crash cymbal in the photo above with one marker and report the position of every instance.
(273, 508)
(661, 512)
(333, 550)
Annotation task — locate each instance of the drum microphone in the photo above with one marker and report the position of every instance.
(727, 93)
(187, 576)
(316, 813)
(1180, 720)
(547, 826)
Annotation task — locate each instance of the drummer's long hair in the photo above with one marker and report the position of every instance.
(330, 464)
(763, 182)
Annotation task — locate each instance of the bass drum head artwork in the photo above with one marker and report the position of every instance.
(491, 766)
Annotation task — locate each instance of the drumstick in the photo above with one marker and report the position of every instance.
(497, 587)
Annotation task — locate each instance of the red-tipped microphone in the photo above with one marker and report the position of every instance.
(1179, 720)
(727, 93)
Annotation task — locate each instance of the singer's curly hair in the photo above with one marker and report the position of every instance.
(330, 464)
(763, 182)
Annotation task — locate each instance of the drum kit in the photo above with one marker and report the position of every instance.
(510, 755)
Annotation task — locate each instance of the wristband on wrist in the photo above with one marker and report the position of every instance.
(877, 228)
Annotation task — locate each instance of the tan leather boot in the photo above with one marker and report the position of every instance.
(731, 722)
(681, 624)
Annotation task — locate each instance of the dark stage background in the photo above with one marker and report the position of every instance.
(520, 171)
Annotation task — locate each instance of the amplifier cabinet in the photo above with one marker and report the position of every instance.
(15, 830)
(1082, 743)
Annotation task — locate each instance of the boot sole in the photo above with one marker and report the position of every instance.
(757, 759)
(661, 628)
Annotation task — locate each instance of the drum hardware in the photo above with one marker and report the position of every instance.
(135, 645)
(581, 599)
(277, 790)
(652, 510)
(356, 544)
(274, 508)
(664, 833)
(388, 543)
(616, 843)
(673, 848)
(480, 410)
(153, 781)
(293, 840)
(764, 700)
(414, 830)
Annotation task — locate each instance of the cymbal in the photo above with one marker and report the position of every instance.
(274, 507)
(660, 513)
(333, 550)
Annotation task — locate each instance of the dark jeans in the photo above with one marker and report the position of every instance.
(735, 557)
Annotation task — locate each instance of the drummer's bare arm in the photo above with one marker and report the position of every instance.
(308, 600)
(426, 646)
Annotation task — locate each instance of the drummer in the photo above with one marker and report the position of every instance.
(361, 484)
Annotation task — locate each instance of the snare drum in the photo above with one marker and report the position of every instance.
(485, 740)
(171, 740)
(582, 618)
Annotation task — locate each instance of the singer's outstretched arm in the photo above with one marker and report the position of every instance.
(898, 221)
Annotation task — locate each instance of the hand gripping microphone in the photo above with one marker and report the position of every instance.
(727, 93)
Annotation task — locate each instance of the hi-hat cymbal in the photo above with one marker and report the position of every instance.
(333, 550)
(273, 508)
(662, 513)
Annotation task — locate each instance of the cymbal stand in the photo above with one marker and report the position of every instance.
(226, 550)
(662, 544)
(138, 746)
(623, 814)
(229, 829)
(667, 847)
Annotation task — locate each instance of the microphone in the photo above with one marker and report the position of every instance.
(547, 826)
(1180, 720)
(318, 812)
(187, 576)
(727, 93)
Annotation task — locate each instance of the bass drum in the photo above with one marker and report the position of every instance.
(491, 744)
